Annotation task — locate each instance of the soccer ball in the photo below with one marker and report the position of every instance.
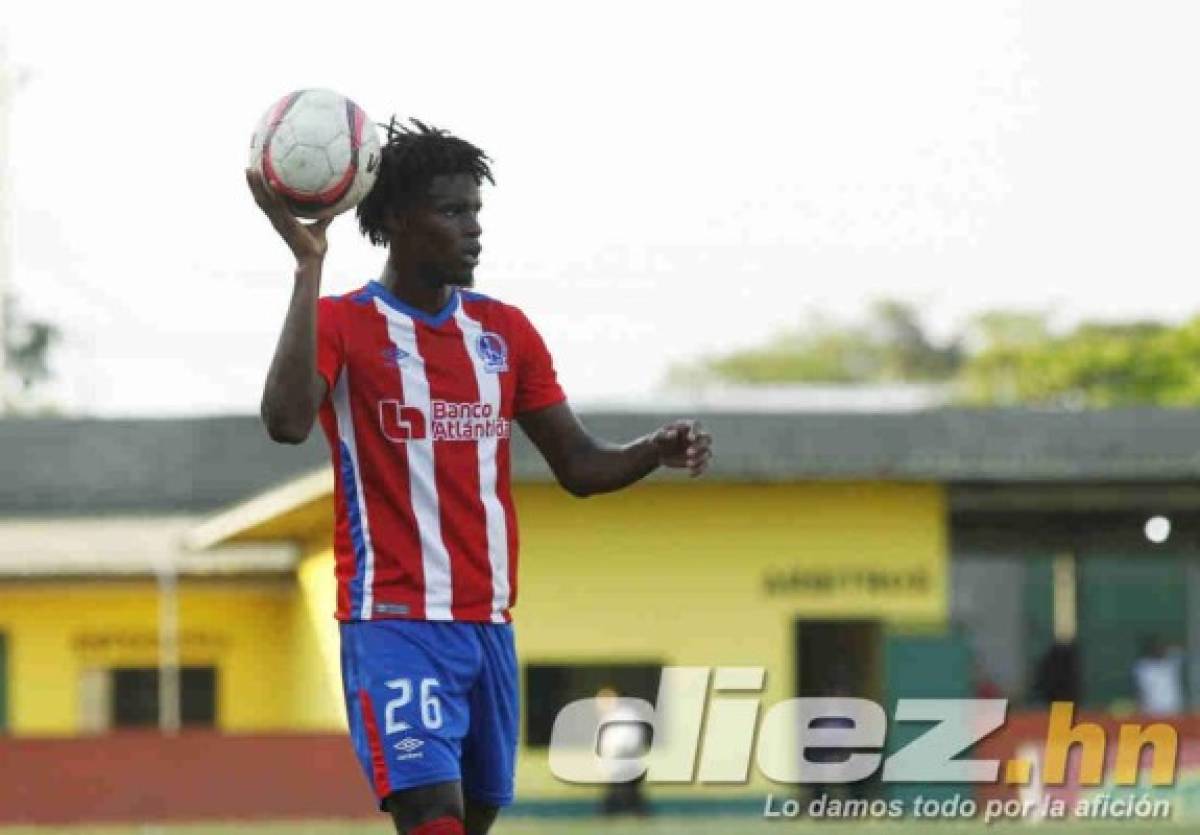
(318, 151)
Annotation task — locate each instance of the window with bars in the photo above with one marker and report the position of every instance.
(134, 702)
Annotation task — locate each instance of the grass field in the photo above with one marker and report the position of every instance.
(674, 826)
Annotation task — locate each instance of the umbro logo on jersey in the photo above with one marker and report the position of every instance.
(395, 355)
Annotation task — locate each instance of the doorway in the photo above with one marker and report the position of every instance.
(839, 658)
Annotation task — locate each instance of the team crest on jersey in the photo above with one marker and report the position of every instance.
(491, 348)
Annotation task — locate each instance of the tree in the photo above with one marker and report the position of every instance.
(999, 358)
(907, 350)
(890, 345)
(28, 344)
(1095, 365)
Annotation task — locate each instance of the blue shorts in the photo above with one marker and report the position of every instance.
(433, 701)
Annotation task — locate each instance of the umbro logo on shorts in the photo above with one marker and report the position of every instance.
(409, 748)
(408, 745)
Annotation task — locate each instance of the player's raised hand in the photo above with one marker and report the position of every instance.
(684, 444)
(306, 240)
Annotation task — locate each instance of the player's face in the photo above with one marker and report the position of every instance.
(448, 227)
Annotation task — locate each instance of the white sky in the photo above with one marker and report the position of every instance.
(674, 178)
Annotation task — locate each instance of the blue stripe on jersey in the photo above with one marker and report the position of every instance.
(434, 319)
(356, 533)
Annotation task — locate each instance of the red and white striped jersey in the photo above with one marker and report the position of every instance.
(418, 418)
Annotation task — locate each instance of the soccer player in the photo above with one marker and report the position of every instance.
(416, 381)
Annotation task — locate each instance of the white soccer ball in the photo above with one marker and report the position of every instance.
(317, 150)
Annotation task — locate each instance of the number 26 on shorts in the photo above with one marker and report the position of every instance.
(431, 708)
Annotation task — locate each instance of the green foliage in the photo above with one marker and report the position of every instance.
(999, 358)
(890, 346)
(1093, 366)
(27, 347)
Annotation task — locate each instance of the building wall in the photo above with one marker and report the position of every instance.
(57, 631)
(144, 778)
(697, 574)
(316, 654)
(681, 573)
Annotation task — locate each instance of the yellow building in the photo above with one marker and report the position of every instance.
(670, 573)
(818, 548)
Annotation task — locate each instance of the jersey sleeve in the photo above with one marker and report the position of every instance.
(537, 382)
(330, 351)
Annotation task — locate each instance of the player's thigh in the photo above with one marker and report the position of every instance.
(490, 748)
(410, 808)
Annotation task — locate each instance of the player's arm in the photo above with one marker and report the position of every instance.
(294, 390)
(584, 464)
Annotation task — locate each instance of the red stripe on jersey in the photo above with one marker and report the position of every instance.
(399, 572)
(508, 393)
(456, 471)
(379, 773)
(484, 312)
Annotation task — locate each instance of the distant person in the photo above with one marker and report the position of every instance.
(1057, 676)
(624, 735)
(1158, 678)
(982, 683)
(838, 686)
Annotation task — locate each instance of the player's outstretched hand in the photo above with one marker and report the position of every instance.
(305, 240)
(684, 444)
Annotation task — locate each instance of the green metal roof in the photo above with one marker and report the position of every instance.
(199, 464)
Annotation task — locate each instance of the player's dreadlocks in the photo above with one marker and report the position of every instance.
(411, 158)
